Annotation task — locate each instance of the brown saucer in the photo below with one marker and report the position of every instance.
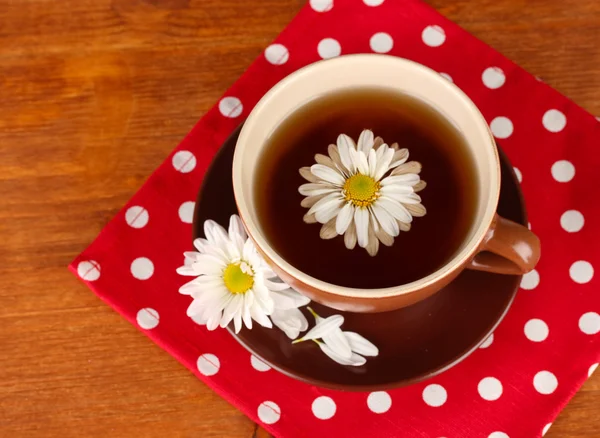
(415, 343)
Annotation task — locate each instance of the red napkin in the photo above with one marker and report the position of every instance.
(519, 380)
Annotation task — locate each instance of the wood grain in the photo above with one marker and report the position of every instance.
(95, 93)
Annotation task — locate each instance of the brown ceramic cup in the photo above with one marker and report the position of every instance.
(493, 244)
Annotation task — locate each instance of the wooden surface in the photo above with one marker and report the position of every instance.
(94, 95)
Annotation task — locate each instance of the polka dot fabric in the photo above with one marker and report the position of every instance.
(519, 380)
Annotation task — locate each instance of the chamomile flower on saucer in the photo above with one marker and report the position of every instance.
(233, 283)
(346, 348)
(365, 191)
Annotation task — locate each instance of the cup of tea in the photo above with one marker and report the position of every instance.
(354, 99)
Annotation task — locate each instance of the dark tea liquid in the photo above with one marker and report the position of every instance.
(450, 196)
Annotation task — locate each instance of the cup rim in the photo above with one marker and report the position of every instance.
(343, 62)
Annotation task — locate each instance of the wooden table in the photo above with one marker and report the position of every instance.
(95, 93)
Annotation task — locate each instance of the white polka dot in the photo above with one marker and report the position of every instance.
(446, 76)
(381, 42)
(373, 2)
(545, 382)
(581, 272)
(269, 412)
(433, 36)
(554, 120)
(136, 216)
(518, 174)
(321, 5)
(493, 77)
(530, 280)
(589, 323)
(592, 369)
(563, 171)
(142, 268)
(529, 225)
(572, 221)
(184, 161)
(186, 212)
(498, 435)
(231, 107)
(89, 270)
(208, 364)
(490, 388)
(258, 364)
(379, 402)
(501, 127)
(488, 341)
(147, 318)
(435, 395)
(546, 428)
(536, 330)
(323, 408)
(329, 48)
(277, 54)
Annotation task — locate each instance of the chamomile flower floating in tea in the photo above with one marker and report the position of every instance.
(366, 191)
(233, 283)
(345, 348)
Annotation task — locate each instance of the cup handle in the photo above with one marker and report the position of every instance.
(508, 248)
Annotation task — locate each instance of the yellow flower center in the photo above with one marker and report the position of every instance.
(236, 280)
(361, 190)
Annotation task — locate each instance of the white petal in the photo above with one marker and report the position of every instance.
(363, 164)
(292, 322)
(202, 283)
(237, 233)
(329, 211)
(361, 221)
(187, 270)
(373, 245)
(372, 159)
(344, 218)
(380, 151)
(213, 321)
(233, 308)
(262, 297)
(400, 157)
(259, 316)
(355, 360)
(312, 189)
(246, 317)
(249, 250)
(344, 144)
(386, 220)
(383, 163)
(323, 327)
(200, 243)
(409, 179)
(365, 141)
(395, 209)
(321, 204)
(191, 255)
(361, 345)
(373, 220)
(327, 174)
(397, 189)
(288, 299)
(237, 322)
(215, 233)
(336, 340)
(411, 198)
(350, 235)
(276, 285)
(208, 264)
